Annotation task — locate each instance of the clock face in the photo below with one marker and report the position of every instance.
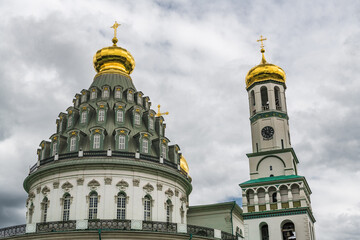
(267, 132)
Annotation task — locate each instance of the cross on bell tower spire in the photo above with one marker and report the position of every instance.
(262, 39)
(115, 26)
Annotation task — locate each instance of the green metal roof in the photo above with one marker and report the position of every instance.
(271, 179)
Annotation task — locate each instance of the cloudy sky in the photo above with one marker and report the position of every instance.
(192, 58)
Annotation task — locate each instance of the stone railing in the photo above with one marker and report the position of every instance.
(115, 225)
(88, 154)
(12, 231)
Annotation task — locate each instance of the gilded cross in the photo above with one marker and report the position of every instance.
(115, 26)
(262, 41)
(160, 113)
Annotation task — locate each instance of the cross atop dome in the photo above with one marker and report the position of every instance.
(262, 39)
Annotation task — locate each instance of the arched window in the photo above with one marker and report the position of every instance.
(101, 115)
(261, 196)
(147, 208)
(295, 190)
(73, 141)
(106, 93)
(83, 117)
(93, 204)
(54, 148)
(151, 123)
(168, 211)
(272, 194)
(250, 197)
(96, 142)
(44, 209)
(120, 116)
(66, 207)
(122, 144)
(264, 98)
(163, 150)
(130, 96)
(121, 206)
(69, 123)
(93, 94)
(277, 98)
(264, 230)
(288, 231)
(252, 98)
(137, 118)
(118, 93)
(83, 98)
(284, 193)
(145, 145)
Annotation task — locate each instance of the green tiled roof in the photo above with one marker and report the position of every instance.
(270, 179)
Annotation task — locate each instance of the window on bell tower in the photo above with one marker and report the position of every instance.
(264, 98)
(277, 98)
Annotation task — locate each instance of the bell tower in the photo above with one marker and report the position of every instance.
(276, 200)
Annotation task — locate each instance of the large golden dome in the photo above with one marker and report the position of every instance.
(113, 59)
(263, 72)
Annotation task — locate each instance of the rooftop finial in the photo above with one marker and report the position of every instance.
(159, 113)
(262, 39)
(115, 26)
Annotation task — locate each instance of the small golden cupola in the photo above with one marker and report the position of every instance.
(114, 59)
(183, 164)
(264, 71)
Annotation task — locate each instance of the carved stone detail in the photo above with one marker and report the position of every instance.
(122, 184)
(136, 182)
(38, 189)
(159, 186)
(56, 185)
(80, 181)
(108, 180)
(183, 199)
(169, 193)
(148, 188)
(176, 193)
(93, 184)
(67, 186)
(45, 190)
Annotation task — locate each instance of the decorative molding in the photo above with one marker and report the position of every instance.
(122, 184)
(93, 184)
(176, 193)
(183, 199)
(148, 187)
(169, 193)
(38, 189)
(45, 190)
(31, 195)
(136, 182)
(159, 186)
(81, 224)
(67, 186)
(80, 181)
(56, 185)
(108, 180)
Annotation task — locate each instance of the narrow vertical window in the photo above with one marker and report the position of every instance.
(264, 232)
(252, 97)
(66, 208)
(139, 100)
(118, 93)
(137, 118)
(83, 117)
(145, 146)
(119, 116)
(147, 208)
(122, 142)
(264, 98)
(93, 204)
(96, 143)
(72, 143)
(69, 123)
(282, 143)
(83, 98)
(277, 98)
(106, 93)
(168, 211)
(93, 94)
(130, 96)
(54, 150)
(44, 209)
(121, 206)
(151, 123)
(60, 126)
(163, 150)
(101, 116)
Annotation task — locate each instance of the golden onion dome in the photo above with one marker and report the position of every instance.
(183, 164)
(263, 72)
(113, 59)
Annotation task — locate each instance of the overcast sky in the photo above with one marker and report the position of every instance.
(192, 58)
